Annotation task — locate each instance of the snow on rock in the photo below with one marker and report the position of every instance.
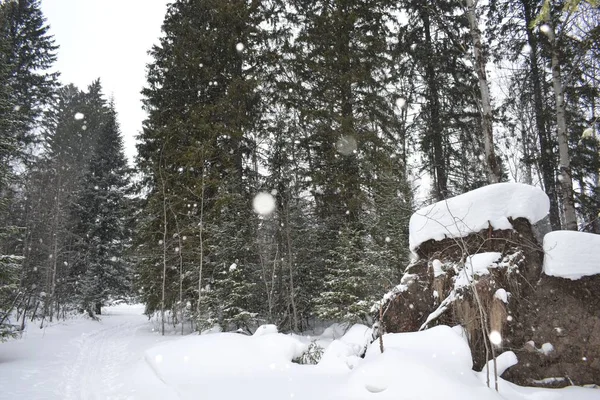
(476, 265)
(503, 362)
(501, 295)
(473, 211)
(547, 348)
(405, 282)
(571, 255)
(437, 268)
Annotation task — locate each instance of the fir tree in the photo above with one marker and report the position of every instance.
(102, 215)
(203, 108)
(30, 53)
(27, 51)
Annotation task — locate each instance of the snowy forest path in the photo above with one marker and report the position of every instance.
(101, 357)
(83, 359)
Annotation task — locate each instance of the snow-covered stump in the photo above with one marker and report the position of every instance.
(478, 255)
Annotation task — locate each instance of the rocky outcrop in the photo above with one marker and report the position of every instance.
(552, 324)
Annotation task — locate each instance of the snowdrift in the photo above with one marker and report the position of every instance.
(432, 364)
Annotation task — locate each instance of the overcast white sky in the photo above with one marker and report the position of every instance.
(108, 39)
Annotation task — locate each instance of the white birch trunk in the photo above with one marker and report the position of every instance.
(492, 168)
(565, 180)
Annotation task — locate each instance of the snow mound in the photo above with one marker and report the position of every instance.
(431, 364)
(346, 352)
(472, 211)
(359, 335)
(265, 330)
(222, 353)
(441, 343)
(339, 356)
(571, 255)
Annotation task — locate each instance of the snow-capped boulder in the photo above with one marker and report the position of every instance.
(484, 242)
(476, 210)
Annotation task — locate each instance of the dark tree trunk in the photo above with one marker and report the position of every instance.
(435, 127)
(546, 154)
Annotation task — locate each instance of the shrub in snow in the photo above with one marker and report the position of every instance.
(312, 355)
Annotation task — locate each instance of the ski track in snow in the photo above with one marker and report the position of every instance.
(80, 358)
(101, 357)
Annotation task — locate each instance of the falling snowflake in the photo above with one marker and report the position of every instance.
(79, 116)
(346, 145)
(400, 102)
(545, 29)
(263, 203)
(239, 47)
(495, 338)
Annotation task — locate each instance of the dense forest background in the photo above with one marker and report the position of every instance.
(287, 143)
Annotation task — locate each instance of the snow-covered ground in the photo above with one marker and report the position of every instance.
(122, 357)
(77, 359)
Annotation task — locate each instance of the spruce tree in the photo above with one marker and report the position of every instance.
(27, 51)
(203, 108)
(29, 54)
(341, 87)
(103, 224)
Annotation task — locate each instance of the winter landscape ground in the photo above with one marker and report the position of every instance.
(124, 357)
